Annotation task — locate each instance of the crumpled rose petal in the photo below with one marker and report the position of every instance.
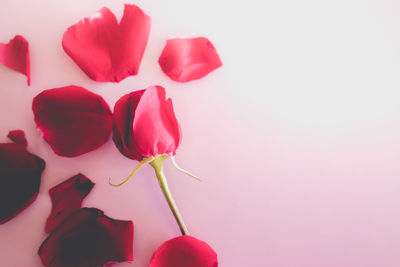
(105, 50)
(184, 60)
(66, 198)
(145, 124)
(20, 173)
(15, 55)
(184, 251)
(88, 238)
(72, 120)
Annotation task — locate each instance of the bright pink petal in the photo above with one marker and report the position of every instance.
(184, 60)
(88, 238)
(72, 120)
(66, 198)
(20, 173)
(105, 50)
(124, 112)
(184, 251)
(155, 128)
(15, 55)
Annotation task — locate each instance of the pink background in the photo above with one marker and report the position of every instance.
(296, 137)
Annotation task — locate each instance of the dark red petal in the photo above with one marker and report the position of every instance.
(15, 55)
(105, 50)
(66, 198)
(124, 112)
(88, 238)
(20, 173)
(72, 120)
(184, 60)
(155, 128)
(18, 136)
(184, 251)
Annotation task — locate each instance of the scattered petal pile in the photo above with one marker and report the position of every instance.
(184, 60)
(20, 173)
(145, 124)
(15, 55)
(67, 198)
(88, 238)
(105, 50)
(72, 120)
(184, 251)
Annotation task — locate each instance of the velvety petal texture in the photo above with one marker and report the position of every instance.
(20, 175)
(188, 59)
(15, 55)
(145, 124)
(105, 50)
(72, 120)
(184, 251)
(66, 198)
(88, 238)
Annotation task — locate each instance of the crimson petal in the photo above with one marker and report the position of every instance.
(72, 119)
(105, 50)
(15, 55)
(18, 137)
(88, 238)
(124, 113)
(67, 198)
(20, 173)
(184, 251)
(184, 60)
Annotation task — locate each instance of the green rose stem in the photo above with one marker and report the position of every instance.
(157, 164)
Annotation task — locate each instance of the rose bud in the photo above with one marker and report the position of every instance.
(145, 128)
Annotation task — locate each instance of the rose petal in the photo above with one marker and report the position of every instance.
(124, 112)
(72, 120)
(105, 50)
(155, 128)
(184, 60)
(184, 251)
(15, 55)
(20, 173)
(67, 198)
(18, 137)
(88, 238)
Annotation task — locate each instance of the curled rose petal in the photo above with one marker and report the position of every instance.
(72, 120)
(20, 173)
(88, 238)
(184, 251)
(18, 137)
(15, 55)
(105, 50)
(184, 60)
(145, 124)
(124, 112)
(66, 198)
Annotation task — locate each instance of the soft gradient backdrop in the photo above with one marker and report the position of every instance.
(296, 137)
